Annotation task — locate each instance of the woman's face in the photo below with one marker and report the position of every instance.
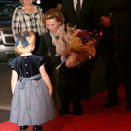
(27, 2)
(52, 25)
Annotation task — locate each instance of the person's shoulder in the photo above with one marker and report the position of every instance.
(37, 7)
(36, 58)
(17, 58)
(13, 60)
(39, 59)
(18, 8)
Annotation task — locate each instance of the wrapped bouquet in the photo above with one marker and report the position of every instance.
(80, 46)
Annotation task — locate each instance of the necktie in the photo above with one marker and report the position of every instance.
(78, 8)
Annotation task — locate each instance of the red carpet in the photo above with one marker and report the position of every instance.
(94, 118)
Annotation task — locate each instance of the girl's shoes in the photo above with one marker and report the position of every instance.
(23, 128)
(37, 128)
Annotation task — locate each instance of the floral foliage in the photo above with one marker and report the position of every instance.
(82, 46)
(84, 36)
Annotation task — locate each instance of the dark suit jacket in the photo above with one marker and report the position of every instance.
(86, 19)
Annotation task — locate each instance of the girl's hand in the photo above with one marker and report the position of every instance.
(50, 92)
(46, 78)
(13, 91)
(14, 79)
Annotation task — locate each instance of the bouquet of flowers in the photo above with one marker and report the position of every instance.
(80, 46)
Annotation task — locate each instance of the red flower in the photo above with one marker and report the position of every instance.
(84, 35)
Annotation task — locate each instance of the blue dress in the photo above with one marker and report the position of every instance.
(31, 103)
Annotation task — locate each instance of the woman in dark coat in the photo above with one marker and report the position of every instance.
(67, 84)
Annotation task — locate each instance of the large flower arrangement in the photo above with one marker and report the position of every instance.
(80, 46)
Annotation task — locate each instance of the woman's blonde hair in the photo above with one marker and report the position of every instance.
(28, 49)
(22, 1)
(53, 13)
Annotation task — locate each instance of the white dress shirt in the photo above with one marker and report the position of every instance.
(75, 2)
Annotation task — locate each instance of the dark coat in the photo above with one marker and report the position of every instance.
(68, 80)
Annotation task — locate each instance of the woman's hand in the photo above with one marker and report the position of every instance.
(72, 60)
(67, 51)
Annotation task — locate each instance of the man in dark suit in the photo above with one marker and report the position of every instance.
(121, 21)
(81, 13)
(108, 51)
(118, 33)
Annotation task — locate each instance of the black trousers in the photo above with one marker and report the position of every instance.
(118, 65)
(85, 76)
(125, 69)
(111, 66)
(68, 89)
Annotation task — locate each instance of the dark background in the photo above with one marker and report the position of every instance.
(45, 4)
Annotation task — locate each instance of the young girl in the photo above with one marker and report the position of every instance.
(31, 87)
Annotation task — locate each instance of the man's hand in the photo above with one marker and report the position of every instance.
(106, 21)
